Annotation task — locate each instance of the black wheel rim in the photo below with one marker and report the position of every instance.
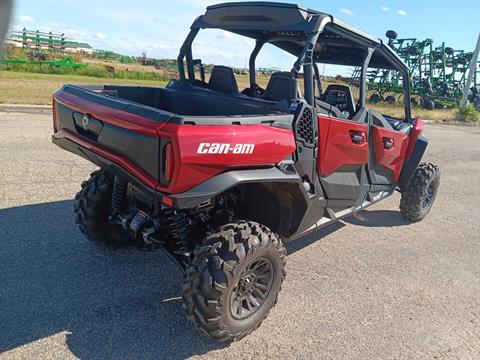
(251, 289)
(427, 201)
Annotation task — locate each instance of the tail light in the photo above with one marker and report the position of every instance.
(169, 163)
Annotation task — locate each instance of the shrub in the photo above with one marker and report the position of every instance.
(92, 70)
(468, 113)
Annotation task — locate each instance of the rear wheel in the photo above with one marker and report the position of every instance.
(234, 280)
(428, 104)
(420, 193)
(92, 210)
(374, 98)
(390, 99)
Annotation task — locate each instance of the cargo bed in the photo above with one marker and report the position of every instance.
(185, 104)
(127, 128)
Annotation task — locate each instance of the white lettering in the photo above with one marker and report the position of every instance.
(203, 148)
(214, 148)
(224, 148)
(238, 149)
(248, 148)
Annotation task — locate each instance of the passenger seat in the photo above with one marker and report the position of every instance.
(278, 87)
(222, 79)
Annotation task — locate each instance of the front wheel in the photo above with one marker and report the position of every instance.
(420, 193)
(234, 280)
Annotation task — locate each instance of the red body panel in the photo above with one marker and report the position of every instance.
(112, 116)
(271, 145)
(266, 145)
(390, 158)
(336, 147)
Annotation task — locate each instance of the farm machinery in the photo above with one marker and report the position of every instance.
(34, 58)
(28, 47)
(438, 74)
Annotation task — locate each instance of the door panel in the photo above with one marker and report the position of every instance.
(389, 147)
(342, 142)
(342, 161)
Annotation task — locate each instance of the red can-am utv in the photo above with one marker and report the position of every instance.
(220, 179)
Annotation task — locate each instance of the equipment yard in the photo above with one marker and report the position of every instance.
(372, 286)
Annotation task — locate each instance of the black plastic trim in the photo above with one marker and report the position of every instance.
(142, 150)
(102, 162)
(410, 165)
(228, 180)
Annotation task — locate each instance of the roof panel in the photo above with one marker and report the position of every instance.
(259, 16)
(287, 26)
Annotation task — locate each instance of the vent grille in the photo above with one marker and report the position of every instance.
(304, 126)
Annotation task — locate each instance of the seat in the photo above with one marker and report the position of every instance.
(222, 79)
(279, 87)
(341, 97)
(404, 127)
(399, 125)
(390, 123)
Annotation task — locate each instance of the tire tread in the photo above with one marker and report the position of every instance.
(211, 273)
(414, 193)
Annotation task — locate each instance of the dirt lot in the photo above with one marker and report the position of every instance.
(372, 287)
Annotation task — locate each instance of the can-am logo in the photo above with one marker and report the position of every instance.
(217, 148)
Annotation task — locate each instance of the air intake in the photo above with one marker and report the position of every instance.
(304, 127)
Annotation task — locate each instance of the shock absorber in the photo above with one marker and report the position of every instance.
(177, 232)
(119, 195)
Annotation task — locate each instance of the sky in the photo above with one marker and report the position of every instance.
(158, 28)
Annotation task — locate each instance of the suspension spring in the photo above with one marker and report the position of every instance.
(119, 195)
(178, 230)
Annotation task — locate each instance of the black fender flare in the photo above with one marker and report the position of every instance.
(227, 180)
(411, 164)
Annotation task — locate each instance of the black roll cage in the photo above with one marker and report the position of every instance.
(307, 36)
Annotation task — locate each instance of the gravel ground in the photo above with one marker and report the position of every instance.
(371, 287)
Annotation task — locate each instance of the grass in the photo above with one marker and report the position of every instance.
(437, 115)
(37, 89)
(92, 70)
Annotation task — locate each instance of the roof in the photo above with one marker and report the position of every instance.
(287, 26)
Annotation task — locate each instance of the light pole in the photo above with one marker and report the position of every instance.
(471, 71)
(5, 12)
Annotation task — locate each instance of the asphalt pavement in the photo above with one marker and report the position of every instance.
(371, 287)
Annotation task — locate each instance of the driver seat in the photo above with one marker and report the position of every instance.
(331, 97)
